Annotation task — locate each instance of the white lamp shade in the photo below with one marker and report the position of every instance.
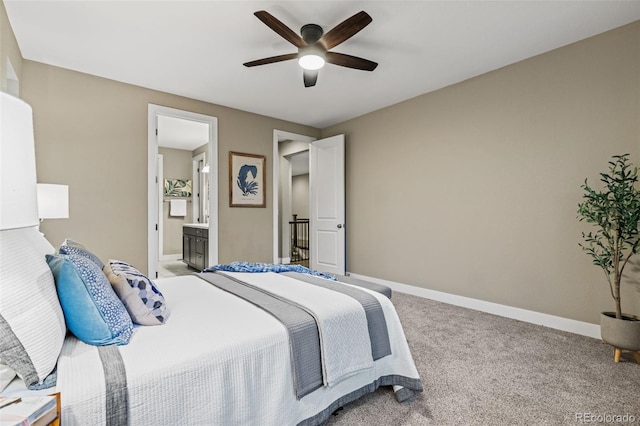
(53, 201)
(18, 206)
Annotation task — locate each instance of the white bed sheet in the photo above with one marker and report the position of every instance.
(198, 369)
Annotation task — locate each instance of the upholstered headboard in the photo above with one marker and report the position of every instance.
(32, 327)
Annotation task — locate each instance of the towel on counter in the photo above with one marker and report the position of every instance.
(178, 208)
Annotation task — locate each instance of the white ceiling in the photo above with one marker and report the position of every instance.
(196, 48)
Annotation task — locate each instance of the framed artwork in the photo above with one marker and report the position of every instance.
(177, 187)
(247, 180)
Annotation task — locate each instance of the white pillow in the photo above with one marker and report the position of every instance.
(32, 327)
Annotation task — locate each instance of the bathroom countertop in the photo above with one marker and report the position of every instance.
(196, 225)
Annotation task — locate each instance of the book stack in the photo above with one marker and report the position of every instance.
(27, 410)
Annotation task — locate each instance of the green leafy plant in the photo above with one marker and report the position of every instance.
(615, 211)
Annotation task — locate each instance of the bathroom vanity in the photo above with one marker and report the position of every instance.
(195, 245)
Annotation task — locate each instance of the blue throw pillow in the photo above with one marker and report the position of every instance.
(92, 310)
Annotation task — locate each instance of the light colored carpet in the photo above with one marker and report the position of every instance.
(481, 369)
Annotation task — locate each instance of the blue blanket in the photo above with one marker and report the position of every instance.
(267, 267)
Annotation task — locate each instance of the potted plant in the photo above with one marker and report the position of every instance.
(615, 211)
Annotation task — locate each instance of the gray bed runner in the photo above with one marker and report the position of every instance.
(304, 340)
(378, 333)
(115, 380)
(365, 284)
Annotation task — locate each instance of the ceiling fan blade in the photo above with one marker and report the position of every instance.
(280, 28)
(345, 30)
(271, 60)
(350, 61)
(310, 78)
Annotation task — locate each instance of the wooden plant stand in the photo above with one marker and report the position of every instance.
(618, 353)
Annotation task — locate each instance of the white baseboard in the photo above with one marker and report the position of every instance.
(284, 260)
(551, 321)
(166, 257)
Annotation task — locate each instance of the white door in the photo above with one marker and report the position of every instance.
(326, 205)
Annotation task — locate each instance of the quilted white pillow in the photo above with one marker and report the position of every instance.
(32, 327)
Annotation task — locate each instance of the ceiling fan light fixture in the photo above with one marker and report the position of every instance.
(311, 61)
(314, 46)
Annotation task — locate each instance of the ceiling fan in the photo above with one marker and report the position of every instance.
(314, 45)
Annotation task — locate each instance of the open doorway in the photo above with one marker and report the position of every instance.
(183, 152)
(299, 221)
(326, 239)
(289, 148)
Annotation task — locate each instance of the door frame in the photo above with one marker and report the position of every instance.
(153, 184)
(280, 136)
(195, 198)
(160, 166)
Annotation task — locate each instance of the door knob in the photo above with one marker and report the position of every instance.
(339, 226)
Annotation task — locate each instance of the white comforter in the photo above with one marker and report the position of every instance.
(198, 369)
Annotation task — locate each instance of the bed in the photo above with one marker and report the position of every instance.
(227, 347)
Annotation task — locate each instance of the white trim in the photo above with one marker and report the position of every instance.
(152, 192)
(279, 136)
(195, 212)
(538, 318)
(284, 260)
(152, 206)
(160, 186)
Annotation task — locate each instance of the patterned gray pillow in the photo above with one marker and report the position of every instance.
(138, 310)
(147, 291)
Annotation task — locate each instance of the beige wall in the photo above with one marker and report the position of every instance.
(200, 150)
(177, 164)
(9, 50)
(91, 133)
(300, 196)
(473, 189)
